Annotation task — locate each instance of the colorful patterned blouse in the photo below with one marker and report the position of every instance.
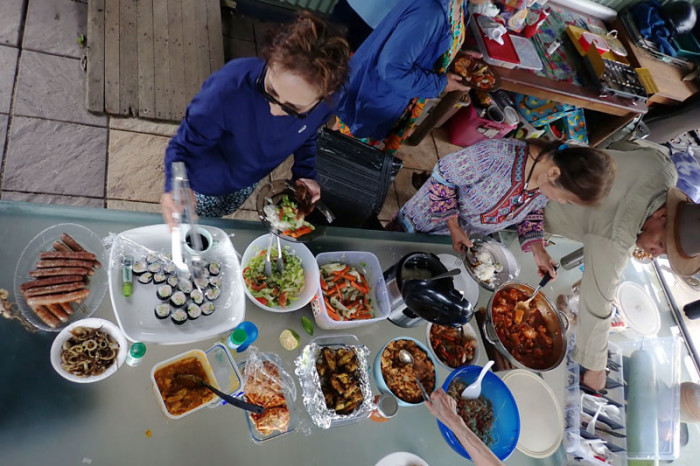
(483, 186)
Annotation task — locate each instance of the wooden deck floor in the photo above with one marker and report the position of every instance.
(148, 58)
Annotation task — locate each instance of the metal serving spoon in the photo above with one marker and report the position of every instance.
(524, 306)
(198, 382)
(407, 358)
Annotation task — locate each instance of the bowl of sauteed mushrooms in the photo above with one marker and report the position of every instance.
(88, 350)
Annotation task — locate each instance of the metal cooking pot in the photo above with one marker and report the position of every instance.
(413, 300)
(556, 321)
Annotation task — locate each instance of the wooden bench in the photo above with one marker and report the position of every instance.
(149, 58)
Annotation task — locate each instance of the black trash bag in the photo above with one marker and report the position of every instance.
(354, 177)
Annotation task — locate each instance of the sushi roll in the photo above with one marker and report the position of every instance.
(139, 267)
(146, 278)
(152, 258)
(201, 282)
(179, 316)
(164, 292)
(208, 308)
(197, 297)
(169, 268)
(162, 311)
(172, 281)
(185, 286)
(159, 278)
(154, 267)
(213, 293)
(214, 268)
(193, 311)
(215, 280)
(178, 299)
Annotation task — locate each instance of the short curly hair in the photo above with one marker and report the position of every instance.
(306, 47)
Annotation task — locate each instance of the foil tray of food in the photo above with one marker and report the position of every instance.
(334, 375)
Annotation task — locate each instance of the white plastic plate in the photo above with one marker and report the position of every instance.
(135, 314)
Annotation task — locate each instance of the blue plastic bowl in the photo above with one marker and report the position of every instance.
(379, 378)
(506, 427)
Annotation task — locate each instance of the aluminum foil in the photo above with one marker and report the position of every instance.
(312, 395)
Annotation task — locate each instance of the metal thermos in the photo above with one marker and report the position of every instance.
(573, 260)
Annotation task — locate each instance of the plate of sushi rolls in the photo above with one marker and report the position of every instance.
(153, 304)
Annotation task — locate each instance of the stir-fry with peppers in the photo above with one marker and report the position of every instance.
(345, 292)
(285, 217)
(279, 288)
(453, 348)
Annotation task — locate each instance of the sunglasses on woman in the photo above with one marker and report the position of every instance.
(261, 86)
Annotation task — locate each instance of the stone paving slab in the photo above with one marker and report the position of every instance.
(3, 132)
(52, 26)
(133, 206)
(404, 185)
(53, 87)
(8, 65)
(391, 204)
(10, 19)
(420, 157)
(244, 214)
(53, 199)
(55, 157)
(135, 166)
(237, 48)
(442, 142)
(138, 125)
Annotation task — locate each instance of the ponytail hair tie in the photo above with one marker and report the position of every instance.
(563, 146)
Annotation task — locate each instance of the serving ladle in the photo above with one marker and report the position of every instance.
(193, 380)
(523, 307)
(473, 391)
(407, 358)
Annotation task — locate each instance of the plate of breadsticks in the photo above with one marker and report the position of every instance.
(59, 276)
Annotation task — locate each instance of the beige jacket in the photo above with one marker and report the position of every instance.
(608, 233)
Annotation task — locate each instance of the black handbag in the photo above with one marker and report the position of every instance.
(354, 177)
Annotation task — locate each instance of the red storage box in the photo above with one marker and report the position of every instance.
(466, 128)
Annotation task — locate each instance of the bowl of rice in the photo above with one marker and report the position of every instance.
(495, 264)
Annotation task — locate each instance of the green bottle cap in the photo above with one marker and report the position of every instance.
(137, 350)
(238, 337)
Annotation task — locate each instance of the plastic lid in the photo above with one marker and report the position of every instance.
(225, 372)
(137, 350)
(387, 405)
(638, 308)
(541, 417)
(238, 336)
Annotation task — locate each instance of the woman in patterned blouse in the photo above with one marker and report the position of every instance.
(496, 183)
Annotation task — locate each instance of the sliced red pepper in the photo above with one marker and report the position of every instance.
(262, 300)
(258, 287)
(283, 299)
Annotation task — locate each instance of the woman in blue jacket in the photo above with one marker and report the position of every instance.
(402, 63)
(253, 113)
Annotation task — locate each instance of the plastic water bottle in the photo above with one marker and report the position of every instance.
(136, 353)
(252, 334)
(237, 338)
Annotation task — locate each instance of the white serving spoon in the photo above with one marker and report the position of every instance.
(474, 389)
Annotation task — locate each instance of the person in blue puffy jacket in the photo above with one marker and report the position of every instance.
(402, 63)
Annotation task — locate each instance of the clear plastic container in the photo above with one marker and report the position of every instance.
(225, 372)
(666, 356)
(365, 262)
(292, 426)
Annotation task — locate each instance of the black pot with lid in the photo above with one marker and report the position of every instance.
(415, 299)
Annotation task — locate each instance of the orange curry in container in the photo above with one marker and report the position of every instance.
(178, 394)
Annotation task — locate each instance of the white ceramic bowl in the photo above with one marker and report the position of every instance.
(469, 331)
(106, 326)
(308, 263)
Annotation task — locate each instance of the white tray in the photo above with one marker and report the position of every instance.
(135, 314)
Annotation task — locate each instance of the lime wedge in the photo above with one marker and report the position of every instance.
(308, 325)
(289, 339)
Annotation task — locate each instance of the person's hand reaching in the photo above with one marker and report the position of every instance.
(544, 262)
(460, 239)
(169, 208)
(454, 83)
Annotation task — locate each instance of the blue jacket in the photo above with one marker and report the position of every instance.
(395, 65)
(229, 140)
